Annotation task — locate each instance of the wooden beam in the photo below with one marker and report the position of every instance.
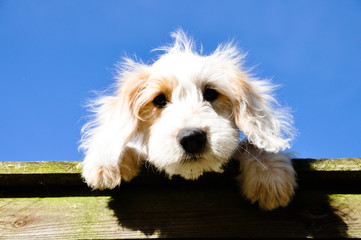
(67, 173)
(70, 167)
(56, 204)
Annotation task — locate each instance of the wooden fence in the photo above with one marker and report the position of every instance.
(48, 200)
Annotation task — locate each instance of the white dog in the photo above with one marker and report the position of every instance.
(184, 114)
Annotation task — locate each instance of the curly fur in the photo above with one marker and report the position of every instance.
(128, 128)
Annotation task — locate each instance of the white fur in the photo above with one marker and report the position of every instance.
(128, 120)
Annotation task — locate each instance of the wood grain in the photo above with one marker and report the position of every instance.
(155, 207)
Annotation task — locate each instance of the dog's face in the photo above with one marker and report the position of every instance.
(186, 111)
(188, 115)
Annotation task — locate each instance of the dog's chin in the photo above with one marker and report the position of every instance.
(192, 167)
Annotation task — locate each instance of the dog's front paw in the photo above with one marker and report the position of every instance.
(110, 176)
(101, 177)
(271, 182)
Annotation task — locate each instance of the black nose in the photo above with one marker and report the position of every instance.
(193, 140)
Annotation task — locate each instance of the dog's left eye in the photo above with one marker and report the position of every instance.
(210, 94)
(160, 101)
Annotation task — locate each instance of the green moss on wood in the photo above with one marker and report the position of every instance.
(341, 164)
(41, 167)
(96, 218)
(60, 218)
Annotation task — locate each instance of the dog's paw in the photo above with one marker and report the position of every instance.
(271, 184)
(102, 177)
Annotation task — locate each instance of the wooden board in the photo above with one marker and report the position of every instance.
(152, 206)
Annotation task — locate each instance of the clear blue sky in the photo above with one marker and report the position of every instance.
(54, 53)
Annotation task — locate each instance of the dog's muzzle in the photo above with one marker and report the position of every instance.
(192, 140)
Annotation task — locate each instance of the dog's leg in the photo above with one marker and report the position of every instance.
(268, 178)
(110, 176)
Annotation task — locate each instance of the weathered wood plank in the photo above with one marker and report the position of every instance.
(338, 164)
(60, 218)
(314, 171)
(40, 167)
(160, 214)
(72, 167)
(48, 200)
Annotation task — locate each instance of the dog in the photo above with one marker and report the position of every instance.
(184, 114)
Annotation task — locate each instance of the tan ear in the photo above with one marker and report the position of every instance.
(267, 127)
(115, 123)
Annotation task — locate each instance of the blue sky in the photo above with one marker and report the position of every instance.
(53, 54)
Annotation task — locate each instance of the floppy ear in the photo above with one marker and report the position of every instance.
(105, 138)
(267, 127)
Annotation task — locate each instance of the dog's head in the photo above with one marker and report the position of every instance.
(186, 111)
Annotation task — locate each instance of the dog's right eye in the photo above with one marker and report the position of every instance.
(210, 94)
(160, 101)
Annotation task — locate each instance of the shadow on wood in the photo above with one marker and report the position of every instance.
(213, 207)
(38, 202)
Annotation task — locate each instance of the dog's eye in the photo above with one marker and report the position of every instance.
(160, 101)
(210, 94)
